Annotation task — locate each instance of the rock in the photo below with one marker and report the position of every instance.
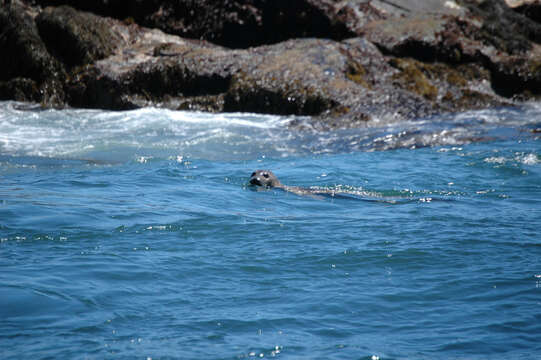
(399, 8)
(508, 31)
(511, 45)
(19, 89)
(245, 23)
(20, 39)
(422, 37)
(76, 37)
(454, 39)
(339, 84)
(301, 77)
(510, 61)
(343, 63)
(529, 8)
(133, 76)
(27, 68)
(230, 23)
(519, 3)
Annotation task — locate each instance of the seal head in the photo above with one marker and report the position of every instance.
(267, 179)
(264, 178)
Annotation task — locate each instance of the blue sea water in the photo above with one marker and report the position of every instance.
(135, 235)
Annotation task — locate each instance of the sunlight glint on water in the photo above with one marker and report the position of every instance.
(135, 234)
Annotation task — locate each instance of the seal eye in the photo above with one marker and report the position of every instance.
(266, 175)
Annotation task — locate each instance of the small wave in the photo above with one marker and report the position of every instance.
(159, 133)
(518, 158)
(346, 189)
(529, 159)
(496, 160)
(148, 132)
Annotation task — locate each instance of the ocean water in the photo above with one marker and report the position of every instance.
(135, 235)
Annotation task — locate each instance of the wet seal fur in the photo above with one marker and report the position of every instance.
(267, 179)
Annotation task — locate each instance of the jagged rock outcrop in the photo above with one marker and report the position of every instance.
(75, 37)
(27, 71)
(230, 23)
(344, 63)
(530, 8)
(249, 23)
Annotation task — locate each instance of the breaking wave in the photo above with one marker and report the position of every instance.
(27, 130)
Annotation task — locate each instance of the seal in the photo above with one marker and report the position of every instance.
(267, 179)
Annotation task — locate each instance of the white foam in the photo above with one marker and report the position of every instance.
(529, 159)
(495, 160)
(526, 159)
(151, 132)
(74, 133)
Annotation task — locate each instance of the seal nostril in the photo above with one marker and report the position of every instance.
(263, 178)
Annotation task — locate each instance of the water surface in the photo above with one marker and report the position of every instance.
(135, 235)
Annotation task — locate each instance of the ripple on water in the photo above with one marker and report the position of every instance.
(155, 247)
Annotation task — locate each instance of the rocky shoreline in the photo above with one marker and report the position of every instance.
(345, 63)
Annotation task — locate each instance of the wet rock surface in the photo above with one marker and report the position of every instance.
(344, 63)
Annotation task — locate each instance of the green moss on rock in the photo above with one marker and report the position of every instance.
(356, 73)
(411, 78)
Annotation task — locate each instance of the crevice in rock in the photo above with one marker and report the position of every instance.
(516, 84)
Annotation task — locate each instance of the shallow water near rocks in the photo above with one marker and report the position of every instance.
(135, 235)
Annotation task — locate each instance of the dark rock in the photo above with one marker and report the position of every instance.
(515, 76)
(155, 69)
(301, 19)
(119, 9)
(510, 43)
(26, 67)
(221, 21)
(506, 30)
(245, 23)
(23, 52)
(511, 59)
(75, 37)
(230, 23)
(296, 77)
(341, 84)
(350, 63)
(531, 9)
(422, 37)
(19, 89)
(304, 77)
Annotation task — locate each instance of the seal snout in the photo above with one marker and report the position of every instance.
(254, 180)
(263, 178)
(257, 178)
